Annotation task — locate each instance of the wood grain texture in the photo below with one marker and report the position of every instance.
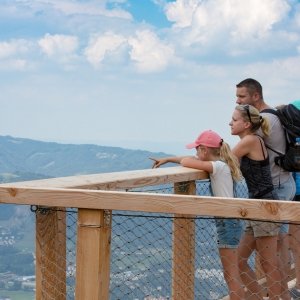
(150, 202)
(118, 180)
(51, 255)
(183, 262)
(93, 255)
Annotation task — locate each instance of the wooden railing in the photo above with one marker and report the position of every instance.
(96, 196)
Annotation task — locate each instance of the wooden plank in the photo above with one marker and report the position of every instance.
(93, 255)
(119, 180)
(150, 202)
(183, 263)
(50, 255)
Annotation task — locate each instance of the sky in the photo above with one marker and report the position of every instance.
(140, 74)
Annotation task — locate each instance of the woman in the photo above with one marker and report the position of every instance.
(215, 157)
(255, 167)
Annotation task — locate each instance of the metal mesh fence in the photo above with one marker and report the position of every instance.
(142, 254)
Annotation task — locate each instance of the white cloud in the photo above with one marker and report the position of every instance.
(101, 46)
(57, 45)
(14, 65)
(261, 17)
(297, 17)
(13, 47)
(89, 8)
(12, 55)
(209, 20)
(181, 12)
(288, 66)
(229, 41)
(149, 53)
(67, 7)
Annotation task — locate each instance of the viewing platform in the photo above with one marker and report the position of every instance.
(143, 234)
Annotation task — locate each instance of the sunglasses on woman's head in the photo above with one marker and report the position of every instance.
(247, 109)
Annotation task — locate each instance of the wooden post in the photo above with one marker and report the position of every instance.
(183, 268)
(93, 254)
(50, 254)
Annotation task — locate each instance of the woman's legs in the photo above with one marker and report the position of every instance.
(229, 259)
(267, 250)
(245, 249)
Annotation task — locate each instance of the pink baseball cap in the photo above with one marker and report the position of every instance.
(207, 138)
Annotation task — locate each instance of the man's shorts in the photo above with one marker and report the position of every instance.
(262, 229)
(286, 191)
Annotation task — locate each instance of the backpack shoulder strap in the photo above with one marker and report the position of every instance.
(270, 111)
(274, 112)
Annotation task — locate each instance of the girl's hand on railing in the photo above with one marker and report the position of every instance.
(163, 160)
(158, 162)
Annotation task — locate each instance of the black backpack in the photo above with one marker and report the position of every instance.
(289, 116)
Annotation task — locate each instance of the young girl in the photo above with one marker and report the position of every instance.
(214, 156)
(255, 167)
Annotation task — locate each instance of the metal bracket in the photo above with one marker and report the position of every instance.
(183, 187)
(44, 210)
(107, 218)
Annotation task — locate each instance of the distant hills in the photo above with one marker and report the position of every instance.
(26, 159)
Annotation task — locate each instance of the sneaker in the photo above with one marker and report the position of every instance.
(295, 293)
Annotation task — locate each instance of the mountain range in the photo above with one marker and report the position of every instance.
(26, 159)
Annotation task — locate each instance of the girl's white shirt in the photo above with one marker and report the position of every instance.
(221, 180)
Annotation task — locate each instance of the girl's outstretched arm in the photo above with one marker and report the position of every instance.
(164, 160)
(185, 161)
(196, 163)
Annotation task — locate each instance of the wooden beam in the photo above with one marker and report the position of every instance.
(50, 254)
(93, 255)
(183, 263)
(152, 202)
(118, 180)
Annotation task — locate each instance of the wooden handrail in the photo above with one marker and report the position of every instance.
(97, 195)
(151, 202)
(117, 180)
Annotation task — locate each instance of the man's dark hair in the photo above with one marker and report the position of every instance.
(252, 85)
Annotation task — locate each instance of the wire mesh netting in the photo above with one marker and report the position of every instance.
(142, 254)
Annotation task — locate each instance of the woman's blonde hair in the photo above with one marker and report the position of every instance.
(228, 157)
(250, 114)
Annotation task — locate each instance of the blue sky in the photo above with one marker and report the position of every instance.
(140, 74)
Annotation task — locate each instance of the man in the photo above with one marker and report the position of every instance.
(249, 91)
(295, 232)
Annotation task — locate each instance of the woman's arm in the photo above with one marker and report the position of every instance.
(242, 148)
(250, 146)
